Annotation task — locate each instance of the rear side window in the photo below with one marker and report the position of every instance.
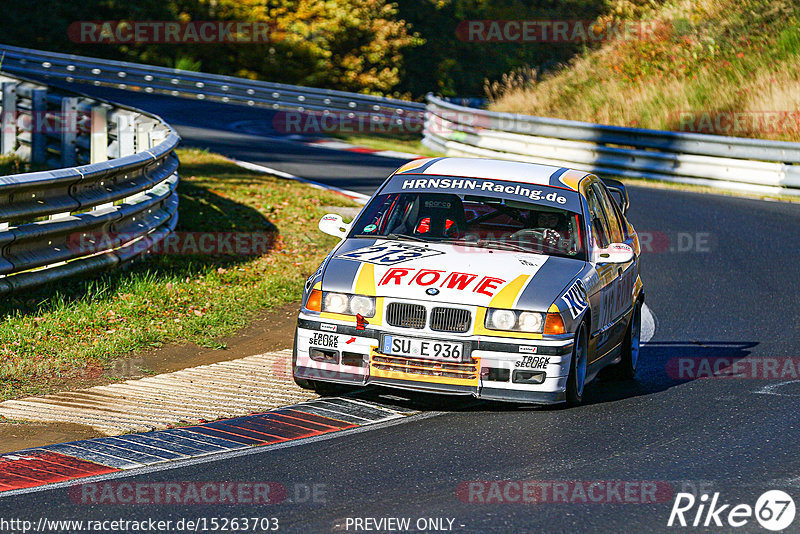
(614, 225)
(599, 228)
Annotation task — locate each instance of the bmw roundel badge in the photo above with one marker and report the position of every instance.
(432, 291)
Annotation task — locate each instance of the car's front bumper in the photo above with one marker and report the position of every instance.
(496, 369)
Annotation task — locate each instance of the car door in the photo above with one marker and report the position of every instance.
(606, 273)
(618, 298)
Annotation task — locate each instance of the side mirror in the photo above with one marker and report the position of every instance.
(616, 253)
(333, 224)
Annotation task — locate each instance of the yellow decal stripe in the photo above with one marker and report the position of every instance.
(572, 178)
(413, 164)
(397, 375)
(508, 295)
(365, 281)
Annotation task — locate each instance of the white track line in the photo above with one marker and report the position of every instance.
(358, 197)
(648, 325)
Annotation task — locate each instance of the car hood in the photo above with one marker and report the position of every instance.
(449, 273)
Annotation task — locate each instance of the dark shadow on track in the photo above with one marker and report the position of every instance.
(666, 364)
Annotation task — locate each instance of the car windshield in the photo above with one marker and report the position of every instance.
(473, 220)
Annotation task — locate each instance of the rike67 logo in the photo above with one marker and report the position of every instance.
(774, 510)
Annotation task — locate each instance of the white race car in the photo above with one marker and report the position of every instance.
(502, 280)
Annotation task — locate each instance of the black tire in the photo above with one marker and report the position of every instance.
(626, 368)
(577, 368)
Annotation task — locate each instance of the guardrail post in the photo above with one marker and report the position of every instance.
(124, 145)
(98, 142)
(39, 124)
(69, 132)
(8, 134)
(143, 130)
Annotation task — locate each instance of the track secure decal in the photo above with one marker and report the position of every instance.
(576, 299)
(533, 362)
(324, 340)
(389, 253)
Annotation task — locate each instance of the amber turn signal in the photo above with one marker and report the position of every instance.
(553, 324)
(314, 302)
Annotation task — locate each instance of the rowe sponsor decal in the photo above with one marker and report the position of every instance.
(486, 285)
(389, 253)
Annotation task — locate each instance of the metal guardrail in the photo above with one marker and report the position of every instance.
(113, 200)
(202, 86)
(756, 165)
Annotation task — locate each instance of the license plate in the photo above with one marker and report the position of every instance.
(430, 349)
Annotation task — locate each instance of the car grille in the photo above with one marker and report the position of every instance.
(406, 315)
(450, 320)
(466, 370)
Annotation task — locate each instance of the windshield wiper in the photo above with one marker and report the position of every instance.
(501, 244)
(405, 236)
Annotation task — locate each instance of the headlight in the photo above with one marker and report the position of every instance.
(511, 320)
(530, 322)
(336, 303)
(360, 305)
(502, 320)
(348, 304)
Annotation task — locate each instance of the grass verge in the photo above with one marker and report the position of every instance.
(77, 328)
(728, 67)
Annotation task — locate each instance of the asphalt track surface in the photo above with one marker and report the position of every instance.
(731, 296)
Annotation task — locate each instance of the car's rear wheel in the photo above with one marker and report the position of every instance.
(577, 369)
(626, 368)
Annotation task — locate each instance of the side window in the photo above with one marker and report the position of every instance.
(599, 228)
(615, 230)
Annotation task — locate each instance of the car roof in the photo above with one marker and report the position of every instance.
(495, 169)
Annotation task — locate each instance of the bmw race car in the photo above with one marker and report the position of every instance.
(502, 280)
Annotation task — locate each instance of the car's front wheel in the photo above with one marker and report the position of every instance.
(577, 369)
(626, 368)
